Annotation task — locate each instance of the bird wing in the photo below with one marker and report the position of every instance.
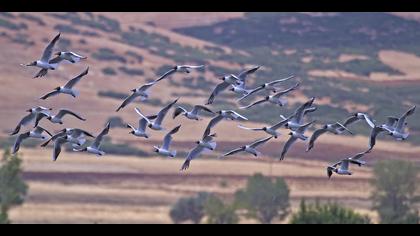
(238, 150)
(50, 94)
(63, 112)
(41, 73)
(350, 120)
(193, 154)
(255, 103)
(300, 112)
(242, 76)
(341, 127)
(359, 155)
(25, 121)
(161, 115)
(392, 121)
(99, 138)
(57, 147)
(253, 129)
(314, 137)
(280, 124)
(369, 120)
(304, 127)
(78, 132)
(40, 130)
(199, 108)
(209, 138)
(173, 70)
(128, 100)
(46, 55)
(56, 60)
(73, 54)
(219, 88)
(282, 93)
(178, 111)
(236, 115)
(75, 80)
(260, 142)
(259, 88)
(401, 121)
(280, 80)
(168, 137)
(374, 133)
(19, 140)
(211, 124)
(286, 147)
(147, 86)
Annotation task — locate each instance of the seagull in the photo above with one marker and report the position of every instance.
(95, 147)
(296, 120)
(57, 146)
(271, 130)
(360, 116)
(235, 80)
(336, 128)
(206, 144)
(192, 115)
(67, 88)
(33, 112)
(398, 132)
(395, 127)
(294, 136)
(164, 150)
(251, 148)
(274, 99)
(75, 136)
(141, 131)
(180, 68)
(141, 92)
(227, 81)
(157, 124)
(44, 63)
(223, 114)
(57, 119)
(37, 133)
(67, 56)
(344, 165)
(267, 86)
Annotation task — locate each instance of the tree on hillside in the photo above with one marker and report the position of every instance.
(395, 184)
(327, 214)
(264, 199)
(189, 209)
(12, 187)
(218, 212)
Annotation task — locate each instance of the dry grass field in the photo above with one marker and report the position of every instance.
(87, 189)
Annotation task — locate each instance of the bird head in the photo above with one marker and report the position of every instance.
(265, 129)
(232, 89)
(35, 63)
(58, 88)
(49, 118)
(131, 132)
(198, 142)
(291, 133)
(58, 53)
(325, 127)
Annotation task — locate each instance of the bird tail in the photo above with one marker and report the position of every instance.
(17, 129)
(186, 165)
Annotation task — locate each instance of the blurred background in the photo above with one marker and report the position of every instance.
(351, 62)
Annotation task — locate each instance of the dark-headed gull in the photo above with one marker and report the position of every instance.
(275, 99)
(267, 86)
(37, 133)
(223, 115)
(157, 123)
(336, 128)
(299, 133)
(141, 92)
(206, 143)
(94, 148)
(58, 118)
(67, 56)
(192, 115)
(360, 116)
(68, 87)
(33, 112)
(141, 130)
(180, 68)
(271, 130)
(345, 164)
(165, 149)
(251, 148)
(44, 63)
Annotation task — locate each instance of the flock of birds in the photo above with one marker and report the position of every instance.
(395, 127)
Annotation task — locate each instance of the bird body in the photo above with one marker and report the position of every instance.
(164, 150)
